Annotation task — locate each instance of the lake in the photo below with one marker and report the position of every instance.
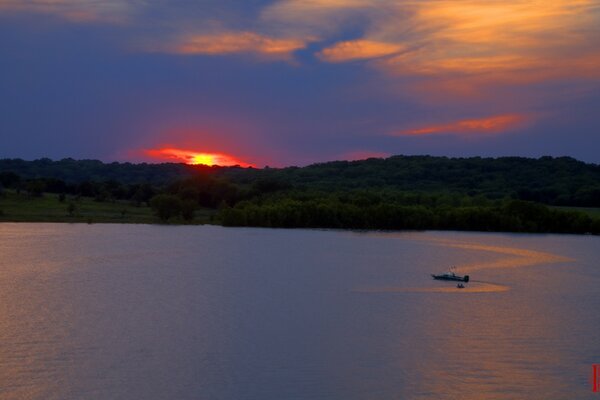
(204, 312)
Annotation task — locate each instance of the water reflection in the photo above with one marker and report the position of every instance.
(128, 312)
(497, 346)
(517, 258)
(472, 287)
(523, 257)
(482, 347)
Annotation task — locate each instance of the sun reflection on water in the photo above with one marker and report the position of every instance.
(514, 257)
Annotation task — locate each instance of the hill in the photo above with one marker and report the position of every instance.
(400, 192)
(561, 181)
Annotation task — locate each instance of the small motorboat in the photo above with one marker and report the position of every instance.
(460, 286)
(451, 276)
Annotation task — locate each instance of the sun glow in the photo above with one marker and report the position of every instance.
(195, 158)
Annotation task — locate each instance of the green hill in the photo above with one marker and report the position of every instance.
(400, 192)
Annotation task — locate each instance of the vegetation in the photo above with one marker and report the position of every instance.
(561, 181)
(48, 208)
(166, 206)
(504, 194)
(76, 171)
(352, 212)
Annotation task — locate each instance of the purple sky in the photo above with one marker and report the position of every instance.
(291, 82)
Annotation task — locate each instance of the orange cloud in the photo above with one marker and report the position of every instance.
(483, 42)
(237, 42)
(112, 11)
(460, 46)
(316, 17)
(497, 42)
(493, 124)
(358, 50)
(195, 157)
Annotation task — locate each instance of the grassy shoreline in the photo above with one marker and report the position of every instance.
(21, 207)
(16, 207)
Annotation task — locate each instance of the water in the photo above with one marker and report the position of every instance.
(160, 312)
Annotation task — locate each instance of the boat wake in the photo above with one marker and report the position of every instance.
(473, 287)
(514, 258)
(518, 258)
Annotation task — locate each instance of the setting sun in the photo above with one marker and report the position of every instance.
(195, 158)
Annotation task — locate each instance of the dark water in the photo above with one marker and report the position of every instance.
(157, 312)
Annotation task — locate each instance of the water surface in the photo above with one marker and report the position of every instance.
(163, 312)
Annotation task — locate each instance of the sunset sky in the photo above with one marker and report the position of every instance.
(292, 82)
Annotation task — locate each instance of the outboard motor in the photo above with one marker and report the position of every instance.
(466, 278)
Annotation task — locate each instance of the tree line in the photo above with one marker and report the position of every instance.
(506, 194)
(559, 181)
(343, 212)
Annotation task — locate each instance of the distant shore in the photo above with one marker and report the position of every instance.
(52, 208)
(509, 194)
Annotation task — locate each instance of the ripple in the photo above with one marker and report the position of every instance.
(475, 287)
(517, 258)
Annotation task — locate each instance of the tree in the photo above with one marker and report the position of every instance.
(189, 193)
(9, 179)
(71, 208)
(166, 206)
(188, 207)
(143, 193)
(35, 188)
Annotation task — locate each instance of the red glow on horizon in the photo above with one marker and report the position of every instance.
(195, 157)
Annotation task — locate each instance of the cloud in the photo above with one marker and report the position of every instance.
(236, 42)
(492, 124)
(428, 51)
(481, 42)
(316, 17)
(358, 50)
(497, 42)
(111, 11)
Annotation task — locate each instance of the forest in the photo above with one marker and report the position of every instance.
(401, 192)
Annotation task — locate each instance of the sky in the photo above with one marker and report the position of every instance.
(293, 82)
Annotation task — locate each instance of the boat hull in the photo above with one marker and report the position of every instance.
(454, 278)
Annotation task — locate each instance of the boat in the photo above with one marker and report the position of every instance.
(460, 286)
(451, 276)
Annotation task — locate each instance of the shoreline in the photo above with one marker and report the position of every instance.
(204, 223)
(49, 208)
